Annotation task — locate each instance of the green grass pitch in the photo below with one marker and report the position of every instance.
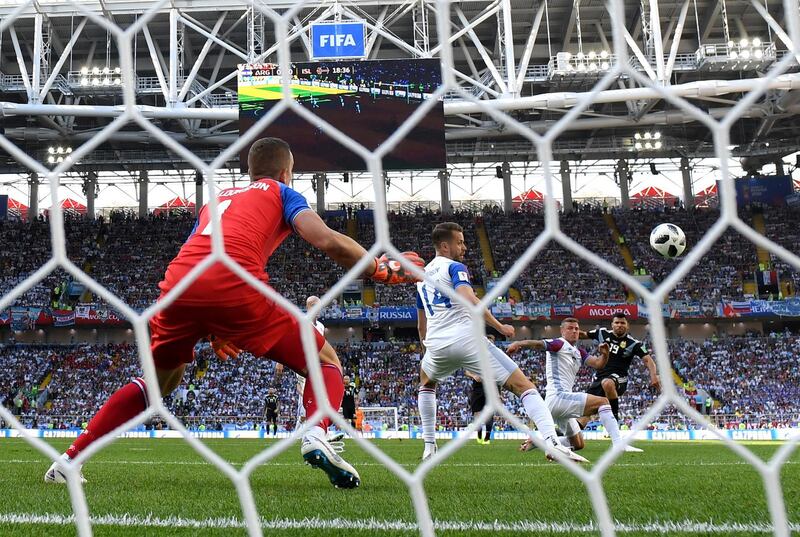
(139, 484)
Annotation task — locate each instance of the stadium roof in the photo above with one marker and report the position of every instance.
(541, 90)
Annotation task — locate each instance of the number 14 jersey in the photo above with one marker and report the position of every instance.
(448, 321)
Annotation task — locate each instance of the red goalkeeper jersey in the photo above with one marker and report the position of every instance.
(255, 221)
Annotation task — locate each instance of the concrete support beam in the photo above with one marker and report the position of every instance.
(624, 182)
(90, 190)
(688, 194)
(33, 204)
(320, 180)
(566, 186)
(505, 168)
(198, 193)
(143, 190)
(444, 186)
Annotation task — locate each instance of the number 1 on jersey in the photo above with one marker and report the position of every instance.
(222, 207)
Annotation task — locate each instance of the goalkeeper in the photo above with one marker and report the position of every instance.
(256, 219)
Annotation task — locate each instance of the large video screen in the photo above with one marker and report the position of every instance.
(366, 100)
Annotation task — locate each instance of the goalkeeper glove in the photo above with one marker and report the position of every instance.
(391, 272)
(223, 348)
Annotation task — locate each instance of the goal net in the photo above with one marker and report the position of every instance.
(379, 421)
(646, 76)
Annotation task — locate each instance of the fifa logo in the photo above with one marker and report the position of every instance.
(337, 40)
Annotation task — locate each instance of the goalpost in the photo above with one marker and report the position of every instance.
(382, 421)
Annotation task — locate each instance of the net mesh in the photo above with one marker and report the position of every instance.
(283, 22)
(380, 418)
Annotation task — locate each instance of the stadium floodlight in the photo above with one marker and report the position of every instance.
(647, 141)
(100, 76)
(593, 63)
(745, 54)
(57, 154)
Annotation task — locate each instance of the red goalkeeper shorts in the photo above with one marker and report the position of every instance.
(259, 327)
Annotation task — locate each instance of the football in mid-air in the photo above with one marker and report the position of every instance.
(668, 240)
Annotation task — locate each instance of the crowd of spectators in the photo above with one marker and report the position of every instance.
(22, 369)
(556, 275)
(133, 253)
(27, 246)
(719, 274)
(749, 378)
(745, 374)
(128, 255)
(781, 227)
(298, 270)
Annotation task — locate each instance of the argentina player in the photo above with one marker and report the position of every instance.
(564, 360)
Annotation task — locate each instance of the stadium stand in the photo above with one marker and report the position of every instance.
(556, 275)
(128, 255)
(749, 378)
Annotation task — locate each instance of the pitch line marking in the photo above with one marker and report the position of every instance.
(373, 524)
(411, 465)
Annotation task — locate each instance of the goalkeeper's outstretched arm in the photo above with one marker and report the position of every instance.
(347, 252)
(339, 247)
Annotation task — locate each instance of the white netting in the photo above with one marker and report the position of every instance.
(380, 418)
(650, 88)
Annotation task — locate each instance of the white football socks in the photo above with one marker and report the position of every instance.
(609, 422)
(537, 410)
(316, 432)
(426, 402)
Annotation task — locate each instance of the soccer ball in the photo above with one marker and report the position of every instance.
(668, 240)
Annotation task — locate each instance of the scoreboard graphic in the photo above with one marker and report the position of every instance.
(366, 100)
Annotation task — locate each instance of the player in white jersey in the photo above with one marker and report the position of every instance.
(311, 301)
(564, 359)
(449, 342)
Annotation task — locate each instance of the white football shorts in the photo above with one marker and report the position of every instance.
(440, 363)
(565, 407)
